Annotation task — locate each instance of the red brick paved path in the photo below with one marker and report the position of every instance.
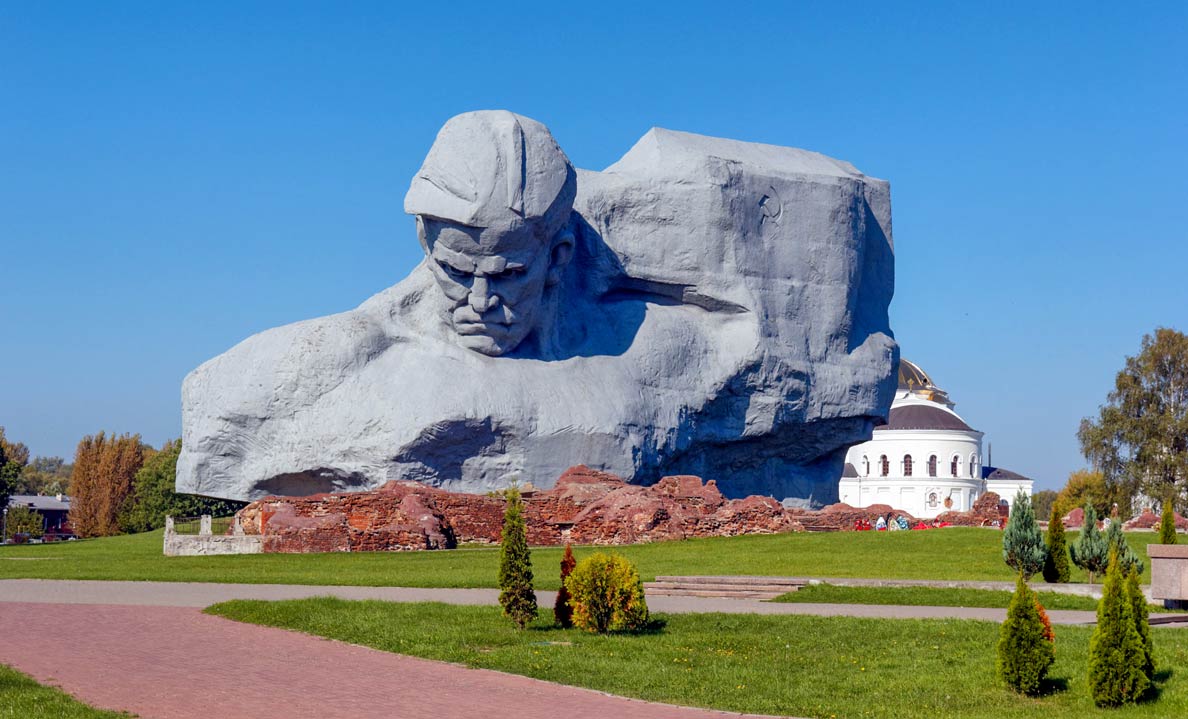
(177, 663)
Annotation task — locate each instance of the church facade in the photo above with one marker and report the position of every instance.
(926, 460)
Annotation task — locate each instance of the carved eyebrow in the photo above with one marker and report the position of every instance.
(457, 260)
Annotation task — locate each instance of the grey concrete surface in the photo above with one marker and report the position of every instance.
(183, 594)
(703, 306)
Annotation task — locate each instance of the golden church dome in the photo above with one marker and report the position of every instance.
(915, 380)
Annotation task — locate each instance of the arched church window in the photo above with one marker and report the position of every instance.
(973, 465)
(932, 466)
(907, 465)
(865, 466)
(884, 466)
(955, 465)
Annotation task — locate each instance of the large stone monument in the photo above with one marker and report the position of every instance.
(703, 306)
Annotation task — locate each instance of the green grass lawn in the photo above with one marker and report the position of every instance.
(23, 698)
(932, 597)
(954, 553)
(803, 666)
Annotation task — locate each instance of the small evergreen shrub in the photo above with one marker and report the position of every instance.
(1026, 644)
(562, 611)
(606, 594)
(1116, 656)
(516, 594)
(1142, 621)
(1056, 569)
(1022, 541)
(1167, 523)
(1090, 552)
(1116, 544)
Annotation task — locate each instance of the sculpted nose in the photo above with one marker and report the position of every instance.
(481, 299)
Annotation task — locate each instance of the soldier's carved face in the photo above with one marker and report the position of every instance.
(495, 279)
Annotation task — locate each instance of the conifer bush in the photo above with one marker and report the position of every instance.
(562, 611)
(1116, 656)
(1090, 552)
(1056, 569)
(1167, 523)
(606, 594)
(1022, 542)
(1116, 544)
(516, 594)
(1142, 621)
(1026, 644)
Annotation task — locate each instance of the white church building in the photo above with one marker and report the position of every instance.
(926, 459)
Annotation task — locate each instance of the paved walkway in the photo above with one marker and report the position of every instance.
(197, 594)
(145, 647)
(177, 663)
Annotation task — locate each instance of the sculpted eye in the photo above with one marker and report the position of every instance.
(453, 271)
(512, 272)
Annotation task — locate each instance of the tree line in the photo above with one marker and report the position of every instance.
(117, 483)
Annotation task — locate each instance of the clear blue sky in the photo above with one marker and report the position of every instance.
(176, 177)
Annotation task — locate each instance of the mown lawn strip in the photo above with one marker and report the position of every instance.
(792, 665)
(948, 554)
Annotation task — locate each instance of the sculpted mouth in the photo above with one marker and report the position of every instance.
(481, 328)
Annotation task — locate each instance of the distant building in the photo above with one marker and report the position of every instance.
(54, 510)
(926, 459)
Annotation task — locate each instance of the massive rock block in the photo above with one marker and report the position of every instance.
(585, 507)
(703, 306)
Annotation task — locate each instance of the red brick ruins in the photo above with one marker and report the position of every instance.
(585, 507)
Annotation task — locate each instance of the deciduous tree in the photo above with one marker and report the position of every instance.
(13, 457)
(1043, 501)
(101, 481)
(1139, 440)
(153, 498)
(1084, 487)
(44, 475)
(22, 520)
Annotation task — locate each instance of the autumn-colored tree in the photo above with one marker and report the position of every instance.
(102, 480)
(1085, 487)
(1139, 440)
(562, 611)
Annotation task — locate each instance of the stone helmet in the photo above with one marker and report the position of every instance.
(494, 168)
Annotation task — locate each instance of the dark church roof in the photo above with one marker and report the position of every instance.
(849, 471)
(921, 416)
(999, 473)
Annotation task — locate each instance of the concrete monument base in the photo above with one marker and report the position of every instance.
(1169, 574)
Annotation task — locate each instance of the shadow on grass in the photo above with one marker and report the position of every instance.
(655, 625)
(1052, 685)
(1158, 680)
